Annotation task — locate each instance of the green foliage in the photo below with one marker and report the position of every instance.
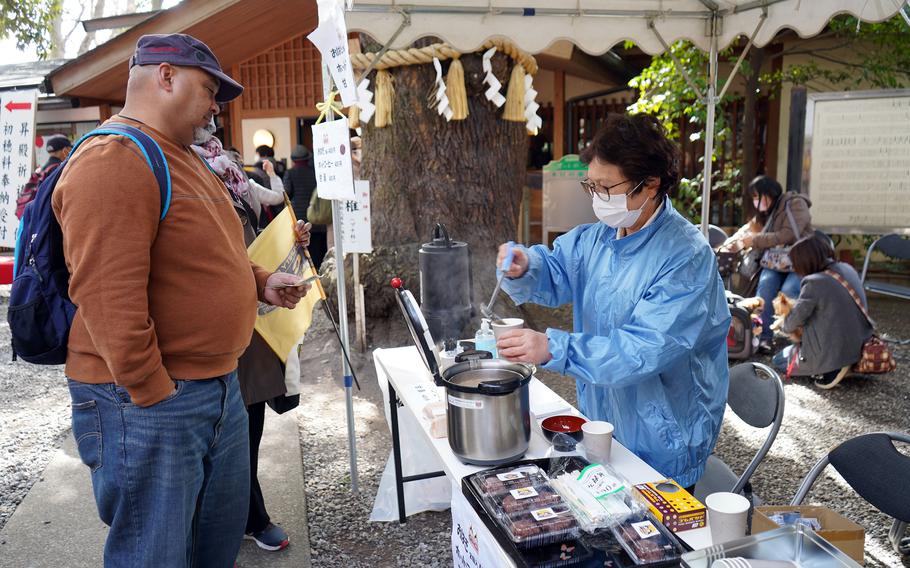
(687, 199)
(664, 92)
(882, 60)
(29, 22)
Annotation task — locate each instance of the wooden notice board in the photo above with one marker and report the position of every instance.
(856, 167)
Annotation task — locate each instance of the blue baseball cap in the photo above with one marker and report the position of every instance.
(187, 51)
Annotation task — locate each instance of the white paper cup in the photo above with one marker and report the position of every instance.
(507, 324)
(598, 440)
(726, 516)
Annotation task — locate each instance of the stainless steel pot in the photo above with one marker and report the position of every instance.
(488, 412)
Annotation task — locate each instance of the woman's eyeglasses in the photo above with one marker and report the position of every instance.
(592, 188)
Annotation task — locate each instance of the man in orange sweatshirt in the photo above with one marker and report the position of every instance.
(165, 308)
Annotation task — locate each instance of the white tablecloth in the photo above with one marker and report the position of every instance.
(407, 373)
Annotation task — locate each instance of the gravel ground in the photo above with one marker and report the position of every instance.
(34, 416)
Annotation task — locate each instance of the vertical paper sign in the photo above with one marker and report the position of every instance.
(332, 152)
(331, 39)
(17, 128)
(355, 220)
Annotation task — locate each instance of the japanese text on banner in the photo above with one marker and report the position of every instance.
(355, 220)
(332, 160)
(17, 124)
(331, 39)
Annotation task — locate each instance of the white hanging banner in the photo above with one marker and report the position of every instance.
(17, 125)
(331, 39)
(356, 235)
(531, 106)
(364, 101)
(332, 160)
(492, 93)
(442, 100)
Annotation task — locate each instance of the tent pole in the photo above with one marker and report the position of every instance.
(711, 102)
(343, 315)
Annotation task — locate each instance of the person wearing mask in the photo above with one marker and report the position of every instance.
(834, 328)
(648, 350)
(166, 307)
(780, 220)
(300, 182)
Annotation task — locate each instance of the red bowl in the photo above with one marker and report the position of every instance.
(564, 424)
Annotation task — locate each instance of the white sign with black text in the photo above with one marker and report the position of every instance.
(17, 125)
(331, 39)
(332, 160)
(355, 220)
(473, 546)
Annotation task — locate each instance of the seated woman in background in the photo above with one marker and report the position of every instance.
(781, 218)
(833, 326)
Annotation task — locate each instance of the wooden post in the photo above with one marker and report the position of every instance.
(559, 114)
(235, 116)
(360, 327)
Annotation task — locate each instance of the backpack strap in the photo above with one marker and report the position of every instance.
(859, 303)
(152, 152)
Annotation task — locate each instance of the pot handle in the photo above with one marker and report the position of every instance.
(441, 234)
(500, 387)
(473, 355)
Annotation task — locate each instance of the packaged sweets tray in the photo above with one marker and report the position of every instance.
(524, 504)
(601, 550)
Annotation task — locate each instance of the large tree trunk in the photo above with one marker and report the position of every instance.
(423, 170)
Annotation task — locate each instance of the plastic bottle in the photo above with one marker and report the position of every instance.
(484, 340)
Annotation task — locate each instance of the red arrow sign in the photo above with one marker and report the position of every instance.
(11, 106)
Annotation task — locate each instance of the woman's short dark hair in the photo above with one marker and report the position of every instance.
(811, 254)
(638, 145)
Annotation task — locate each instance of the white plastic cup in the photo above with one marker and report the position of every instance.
(726, 516)
(598, 440)
(507, 324)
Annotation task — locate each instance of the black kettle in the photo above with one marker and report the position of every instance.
(446, 290)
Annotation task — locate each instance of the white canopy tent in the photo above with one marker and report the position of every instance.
(595, 26)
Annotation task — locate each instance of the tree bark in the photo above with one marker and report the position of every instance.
(423, 170)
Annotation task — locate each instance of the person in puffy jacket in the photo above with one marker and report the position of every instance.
(781, 218)
(648, 350)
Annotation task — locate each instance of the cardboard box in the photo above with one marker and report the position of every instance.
(843, 533)
(673, 506)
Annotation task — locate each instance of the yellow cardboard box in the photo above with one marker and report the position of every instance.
(843, 533)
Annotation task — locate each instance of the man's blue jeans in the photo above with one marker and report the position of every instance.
(171, 480)
(770, 282)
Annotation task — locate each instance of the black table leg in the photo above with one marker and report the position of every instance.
(396, 452)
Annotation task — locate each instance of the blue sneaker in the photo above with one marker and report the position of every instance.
(271, 537)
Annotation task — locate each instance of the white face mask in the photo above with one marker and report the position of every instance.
(615, 212)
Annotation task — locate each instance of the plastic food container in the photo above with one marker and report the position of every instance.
(540, 526)
(502, 481)
(646, 540)
(522, 502)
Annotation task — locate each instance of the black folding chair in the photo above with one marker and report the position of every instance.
(716, 236)
(893, 246)
(756, 396)
(872, 466)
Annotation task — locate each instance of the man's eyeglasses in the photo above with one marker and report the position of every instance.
(592, 188)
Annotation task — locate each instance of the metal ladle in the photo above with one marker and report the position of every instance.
(487, 309)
